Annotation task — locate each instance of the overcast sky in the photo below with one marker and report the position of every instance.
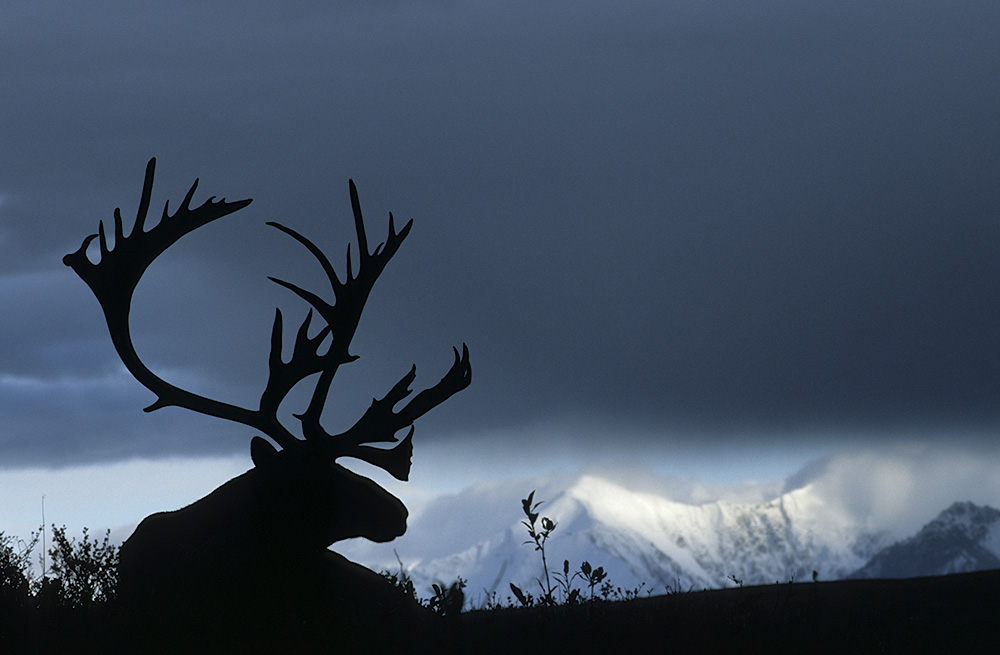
(715, 229)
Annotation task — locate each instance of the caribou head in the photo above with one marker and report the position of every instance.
(297, 482)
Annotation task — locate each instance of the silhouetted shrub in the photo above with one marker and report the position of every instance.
(17, 580)
(79, 572)
(82, 572)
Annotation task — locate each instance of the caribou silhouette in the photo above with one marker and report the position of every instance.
(265, 533)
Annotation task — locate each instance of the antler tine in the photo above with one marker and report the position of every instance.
(114, 277)
(359, 224)
(343, 315)
(147, 193)
(394, 461)
(458, 377)
(380, 423)
(305, 361)
(351, 294)
(312, 248)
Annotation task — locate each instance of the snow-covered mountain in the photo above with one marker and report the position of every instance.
(963, 538)
(644, 538)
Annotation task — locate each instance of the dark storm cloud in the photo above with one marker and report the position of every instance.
(675, 218)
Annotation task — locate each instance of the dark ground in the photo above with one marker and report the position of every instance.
(958, 613)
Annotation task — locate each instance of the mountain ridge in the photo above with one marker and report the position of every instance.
(650, 543)
(963, 538)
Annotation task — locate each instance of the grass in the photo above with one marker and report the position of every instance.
(572, 611)
(945, 614)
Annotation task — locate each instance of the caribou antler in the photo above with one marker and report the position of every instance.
(379, 423)
(113, 280)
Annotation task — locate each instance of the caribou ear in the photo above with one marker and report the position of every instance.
(261, 451)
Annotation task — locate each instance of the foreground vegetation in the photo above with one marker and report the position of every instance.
(560, 587)
(927, 615)
(72, 606)
(84, 573)
(75, 573)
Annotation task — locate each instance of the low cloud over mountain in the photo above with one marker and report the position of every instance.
(644, 538)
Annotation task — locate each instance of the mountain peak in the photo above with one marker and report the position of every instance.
(963, 538)
(973, 521)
